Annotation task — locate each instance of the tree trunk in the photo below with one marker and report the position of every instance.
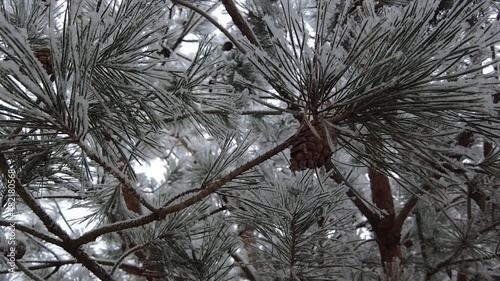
(388, 235)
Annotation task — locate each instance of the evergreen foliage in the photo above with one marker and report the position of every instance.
(389, 108)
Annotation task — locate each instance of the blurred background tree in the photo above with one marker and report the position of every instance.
(389, 109)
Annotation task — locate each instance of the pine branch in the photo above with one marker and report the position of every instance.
(240, 22)
(281, 91)
(464, 139)
(162, 213)
(33, 232)
(387, 235)
(51, 225)
(382, 194)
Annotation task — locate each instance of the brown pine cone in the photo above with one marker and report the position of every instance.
(43, 55)
(308, 151)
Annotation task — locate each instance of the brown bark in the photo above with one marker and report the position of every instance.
(387, 232)
(387, 229)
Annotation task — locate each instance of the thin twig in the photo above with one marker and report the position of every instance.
(356, 199)
(213, 21)
(123, 256)
(118, 175)
(182, 194)
(218, 210)
(422, 239)
(358, 202)
(28, 272)
(490, 227)
(129, 268)
(248, 273)
(408, 207)
(78, 197)
(61, 213)
(225, 113)
(444, 263)
(33, 232)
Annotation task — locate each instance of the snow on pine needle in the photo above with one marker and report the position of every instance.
(385, 72)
